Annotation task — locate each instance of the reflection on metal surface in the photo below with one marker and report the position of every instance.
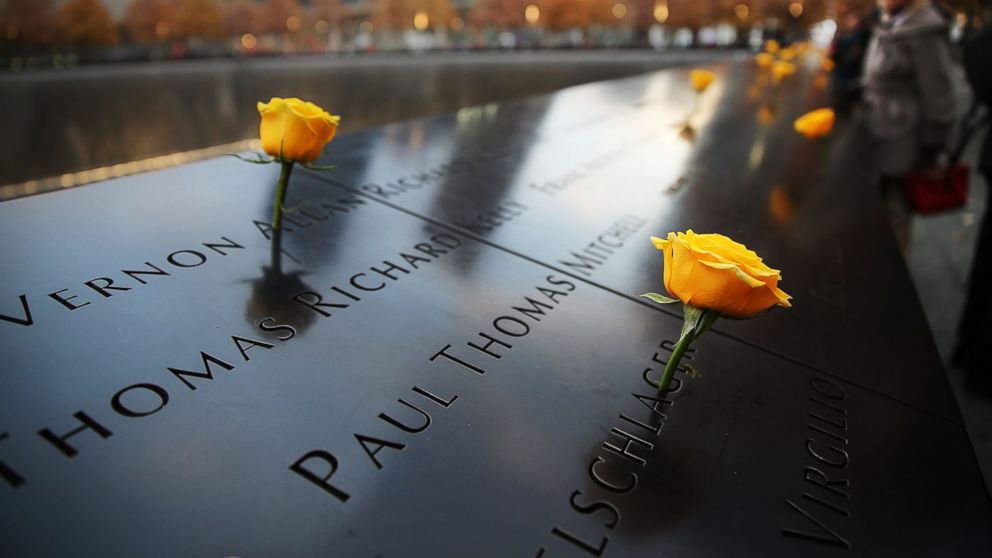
(69, 180)
(87, 118)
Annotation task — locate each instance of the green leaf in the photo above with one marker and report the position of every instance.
(697, 321)
(660, 299)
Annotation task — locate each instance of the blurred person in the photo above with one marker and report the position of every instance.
(975, 330)
(848, 54)
(908, 97)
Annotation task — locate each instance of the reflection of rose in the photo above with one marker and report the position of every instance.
(701, 79)
(712, 272)
(816, 124)
(766, 114)
(271, 297)
(295, 130)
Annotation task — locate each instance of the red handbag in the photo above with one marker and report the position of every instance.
(940, 189)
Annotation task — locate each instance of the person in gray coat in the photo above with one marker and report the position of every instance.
(908, 89)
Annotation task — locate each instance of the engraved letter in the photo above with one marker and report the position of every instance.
(298, 468)
(606, 485)
(26, 320)
(64, 301)
(833, 539)
(377, 446)
(216, 247)
(596, 506)
(60, 441)
(405, 428)
(444, 352)
(243, 344)
(595, 551)
(106, 286)
(8, 474)
(115, 401)
(171, 258)
(313, 304)
(625, 450)
(207, 373)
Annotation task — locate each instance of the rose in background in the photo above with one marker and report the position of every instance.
(701, 79)
(781, 70)
(815, 124)
(712, 276)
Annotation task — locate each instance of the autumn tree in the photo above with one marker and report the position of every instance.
(439, 12)
(242, 16)
(330, 11)
(200, 19)
(392, 14)
(560, 15)
(601, 12)
(276, 15)
(86, 23)
(148, 21)
(27, 22)
(503, 14)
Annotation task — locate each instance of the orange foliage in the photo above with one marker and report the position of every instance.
(87, 23)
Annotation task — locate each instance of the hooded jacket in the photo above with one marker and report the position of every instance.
(908, 88)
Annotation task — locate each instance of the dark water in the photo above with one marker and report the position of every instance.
(56, 122)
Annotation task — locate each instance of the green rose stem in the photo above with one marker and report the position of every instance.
(281, 187)
(697, 321)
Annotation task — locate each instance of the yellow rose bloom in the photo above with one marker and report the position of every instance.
(782, 70)
(771, 46)
(815, 124)
(712, 272)
(295, 130)
(701, 79)
(764, 60)
(787, 54)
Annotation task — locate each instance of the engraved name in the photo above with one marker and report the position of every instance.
(614, 469)
(823, 508)
(596, 253)
(320, 465)
(144, 399)
(139, 276)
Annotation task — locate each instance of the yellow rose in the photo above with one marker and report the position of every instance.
(827, 65)
(782, 70)
(764, 60)
(701, 79)
(295, 130)
(712, 272)
(771, 46)
(815, 124)
(787, 54)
